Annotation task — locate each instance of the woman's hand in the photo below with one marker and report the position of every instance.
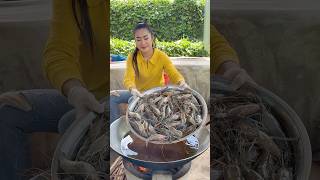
(83, 102)
(135, 92)
(81, 99)
(183, 85)
(235, 74)
(114, 93)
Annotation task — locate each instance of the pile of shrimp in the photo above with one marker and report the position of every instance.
(166, 115)
(244, 144)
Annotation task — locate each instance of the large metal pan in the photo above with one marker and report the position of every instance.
(119, 129)
(69, 142)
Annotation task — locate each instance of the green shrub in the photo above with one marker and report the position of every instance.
(182, 47)
(121, 47)
(171, 19)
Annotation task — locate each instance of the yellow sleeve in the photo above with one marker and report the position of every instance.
(129, 76)
(171, 70)
(61, 53)
(220, 49)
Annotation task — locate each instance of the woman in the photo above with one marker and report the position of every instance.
(145, 68)
(75, 64)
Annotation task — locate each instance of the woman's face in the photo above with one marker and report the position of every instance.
(143, 40)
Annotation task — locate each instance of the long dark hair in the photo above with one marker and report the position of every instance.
(141, 25)
(83, 22)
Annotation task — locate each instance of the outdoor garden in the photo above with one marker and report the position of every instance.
(178, 25)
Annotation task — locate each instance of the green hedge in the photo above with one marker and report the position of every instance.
(170, 19)
(183, 47)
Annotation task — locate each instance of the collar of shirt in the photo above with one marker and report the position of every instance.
(153, 58)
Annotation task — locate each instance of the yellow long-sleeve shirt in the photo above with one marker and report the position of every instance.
(66, 56)
(150, 72)
(220, 49)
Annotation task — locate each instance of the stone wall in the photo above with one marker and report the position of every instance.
(24, 27)
(21, 46)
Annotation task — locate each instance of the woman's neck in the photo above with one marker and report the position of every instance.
(147, 56)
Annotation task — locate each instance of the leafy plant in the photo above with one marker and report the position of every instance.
(182, 47)
(171, 19)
